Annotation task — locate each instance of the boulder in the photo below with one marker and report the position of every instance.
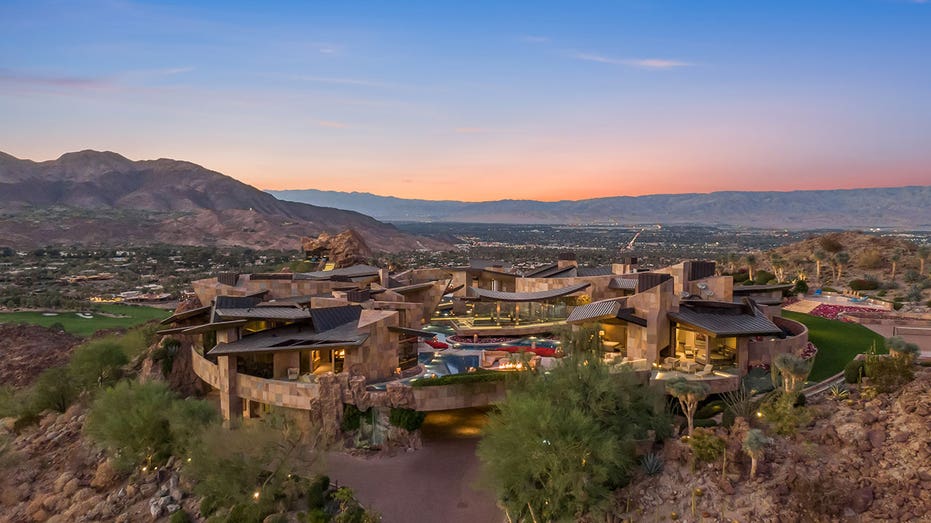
(876, 437)
(861, 499)
(105, 475)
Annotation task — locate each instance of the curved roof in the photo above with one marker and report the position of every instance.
(489, 295)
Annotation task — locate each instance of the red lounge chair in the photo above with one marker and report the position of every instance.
(437, 344)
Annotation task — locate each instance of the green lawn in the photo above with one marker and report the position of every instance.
(86, 327)
(837, 341)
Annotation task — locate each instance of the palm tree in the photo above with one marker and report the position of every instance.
(841, 259)
(820, 257)
(689, 393)
(777, 263)
(895, 257)
(751, 261)
(924, 254)
(754, 444)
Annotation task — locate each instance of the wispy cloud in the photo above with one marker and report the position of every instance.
(640, 63)
(28, 79)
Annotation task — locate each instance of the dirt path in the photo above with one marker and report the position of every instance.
(438, 483)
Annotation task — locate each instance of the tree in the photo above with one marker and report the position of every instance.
(895, 257)
(794, 370)
(777, 262)
(900, 348)
(562, 442)
(820, 257)
(751, 261)
(754, 444)
(924, 254)
(841, 259)
(97, 364)
(55, 389)
(689, 393)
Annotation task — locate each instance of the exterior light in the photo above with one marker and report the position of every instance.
(189, 460)
(255, 494)
(145, 469)
(759, 414)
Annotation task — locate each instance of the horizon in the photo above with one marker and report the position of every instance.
(482, 102)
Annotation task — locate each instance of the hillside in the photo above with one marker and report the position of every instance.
(902, 207)
(104, 198)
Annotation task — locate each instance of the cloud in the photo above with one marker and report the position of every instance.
(55, 81)
(640, 63)
(333, 125)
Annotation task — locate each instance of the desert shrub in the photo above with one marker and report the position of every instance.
(209, 505)
(762, 277)
(54, 389)
(145, 423)
(913, 276)
(180, 517)
(781, 414)
(165, 354)
(913, 294)
(870, 259)
(816, 498)
(12, 403)
(830, 244)
(705, 445)
(897, 305)
(854, 371)
(407, 419)
(316, 492)
(801, 287)
(652, 464)
(888, 374)
(710, 409)
(861, 284)
(97, 364)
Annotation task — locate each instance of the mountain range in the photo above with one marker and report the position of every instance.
(94, 197)
(896, 207)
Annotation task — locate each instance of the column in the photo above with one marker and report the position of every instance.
(230, 403)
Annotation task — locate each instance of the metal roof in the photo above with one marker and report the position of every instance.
(746, 289)
(627, 284)
(594, 311)
(236, 302)
(328, 318)
(724, 319)
(263, 313)
(355, 271)
(594, 271)
(490, 295)
(178, 316)
(289, 338)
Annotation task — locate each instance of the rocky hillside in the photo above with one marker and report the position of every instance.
(904, 207)
(102, 197)
(892, 262)
(861, 460)
(27, 350)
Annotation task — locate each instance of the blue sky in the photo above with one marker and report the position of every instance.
(481, 100)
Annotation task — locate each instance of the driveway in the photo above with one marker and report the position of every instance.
(438, 483)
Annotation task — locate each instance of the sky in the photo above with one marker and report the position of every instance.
(481, 100)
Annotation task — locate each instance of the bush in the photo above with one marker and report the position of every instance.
(705, 445)
(407, 419)
(180, 517)
(887, 373)
(783, 416)
(801, 287)
(316, 493)
(209, 505)
(98, 364)
(54, 389)
(165, 355)
(146, 423)
(479, 376)
(861, 284)
(762, 277)
(854, 371)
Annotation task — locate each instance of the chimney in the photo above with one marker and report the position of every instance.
(566, 260)
(383, 277)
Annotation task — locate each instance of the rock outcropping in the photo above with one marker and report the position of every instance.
(342, 250)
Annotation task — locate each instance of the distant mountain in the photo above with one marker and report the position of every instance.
(902, 207)
(102, 197)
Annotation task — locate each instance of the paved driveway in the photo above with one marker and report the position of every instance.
(438, 483)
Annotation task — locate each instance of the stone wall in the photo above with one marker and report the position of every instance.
(458, 396)
(598, 290)
(205, 370)
(762, 351)
(292, 394)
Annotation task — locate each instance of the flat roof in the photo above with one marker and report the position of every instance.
(292, 337)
